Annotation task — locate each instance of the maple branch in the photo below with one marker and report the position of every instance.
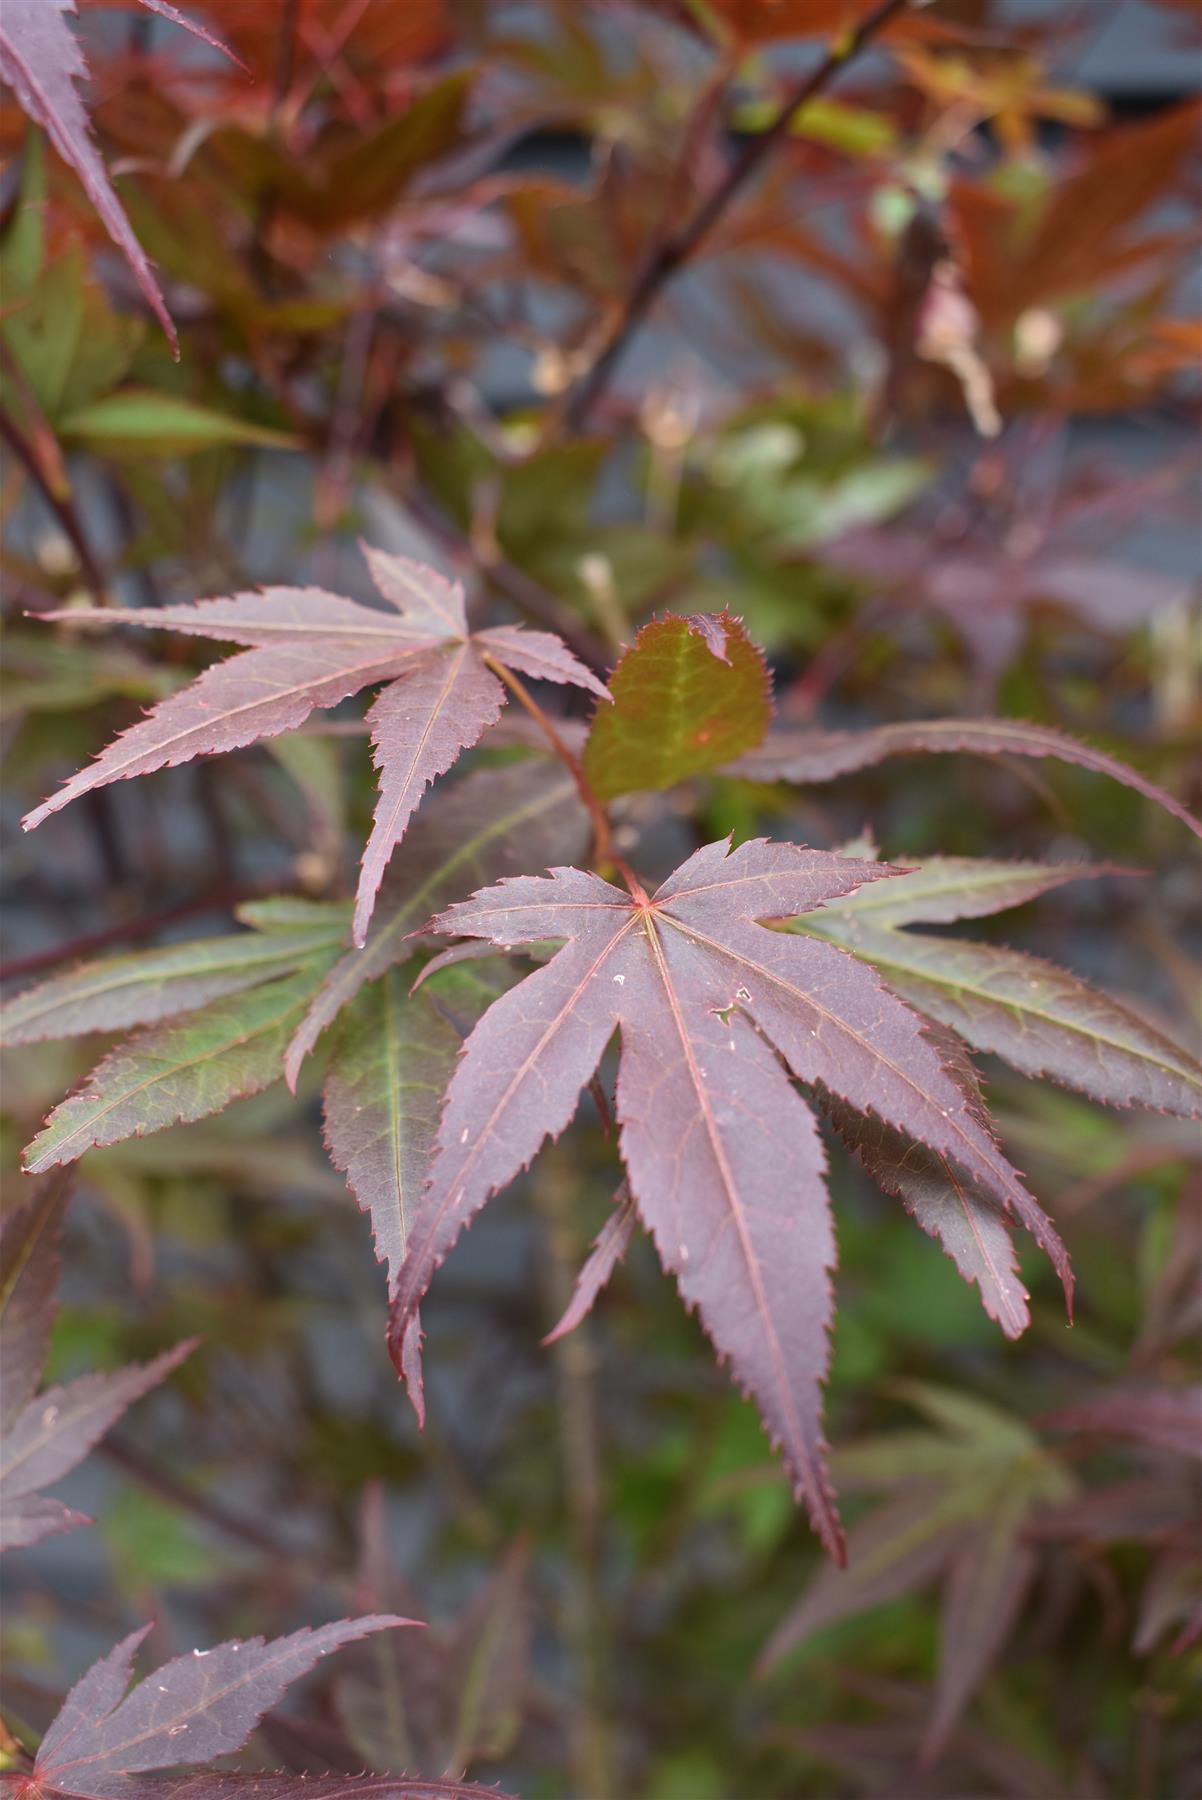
(61, 507)
(604, 851)
(134, 930)
(577, 1408)
(674, 251)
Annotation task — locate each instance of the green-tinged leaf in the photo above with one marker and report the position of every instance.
(985, 1589)
(957, 1502)
(1041, 1019)
(393, 1057)
(495, 822)
(30, 1264)
(487, 1665)
(150, 985)
(294, 912)
(688, 692)
(49, 675)
(143, 422)
(173, 1073)
(946, 888)
(855, 130)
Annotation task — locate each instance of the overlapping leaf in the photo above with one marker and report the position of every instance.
(494, 823)
(958, 1502)
(393, 1056)
(965, 1215)
(813, 756)
(176, 1072)
(722, 1154)
(453, 1696)
(43, 1436)
(304, 648)
(1042, 1019)
(691, 693)
(30, 1263)
(140, 989)
(41, 61)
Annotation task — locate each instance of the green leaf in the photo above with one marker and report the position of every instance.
(1043, 1020)
(855, 130)
(393, 1057)
(174, 1073)
(140, 421)
(688, 690)
(120, 991)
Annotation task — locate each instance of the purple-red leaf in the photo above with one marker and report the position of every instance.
(30, 1261)
(55, 1432)
(190, 1710)
(604, 1257)
(986, 1587)
(1043, 1020)
(1161, 1418)
(722, 1155)
(418, 728)
(304, 648)
(41, 61)
(812, 756)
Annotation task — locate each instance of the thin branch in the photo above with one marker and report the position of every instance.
(61, 507)
(604, 853)
(670, 255)
(576, 1388)
(221, 899)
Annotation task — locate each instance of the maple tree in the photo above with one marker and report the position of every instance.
(468, 356)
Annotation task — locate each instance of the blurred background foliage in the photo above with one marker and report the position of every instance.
(921, 409)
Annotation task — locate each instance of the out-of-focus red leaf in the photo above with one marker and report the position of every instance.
(55, 1432)
(812, 756)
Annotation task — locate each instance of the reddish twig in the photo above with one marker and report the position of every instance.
(674, 251)
(61, 507)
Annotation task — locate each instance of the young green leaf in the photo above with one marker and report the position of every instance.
(172, 1073)
(142, 422)
(156, 984)
(1041, 1019)
(691, 693)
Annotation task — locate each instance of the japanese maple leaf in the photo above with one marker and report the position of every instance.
(40, 59)
(305, 648)
(43, 1436)
(722, 1153)
(190, 1710)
